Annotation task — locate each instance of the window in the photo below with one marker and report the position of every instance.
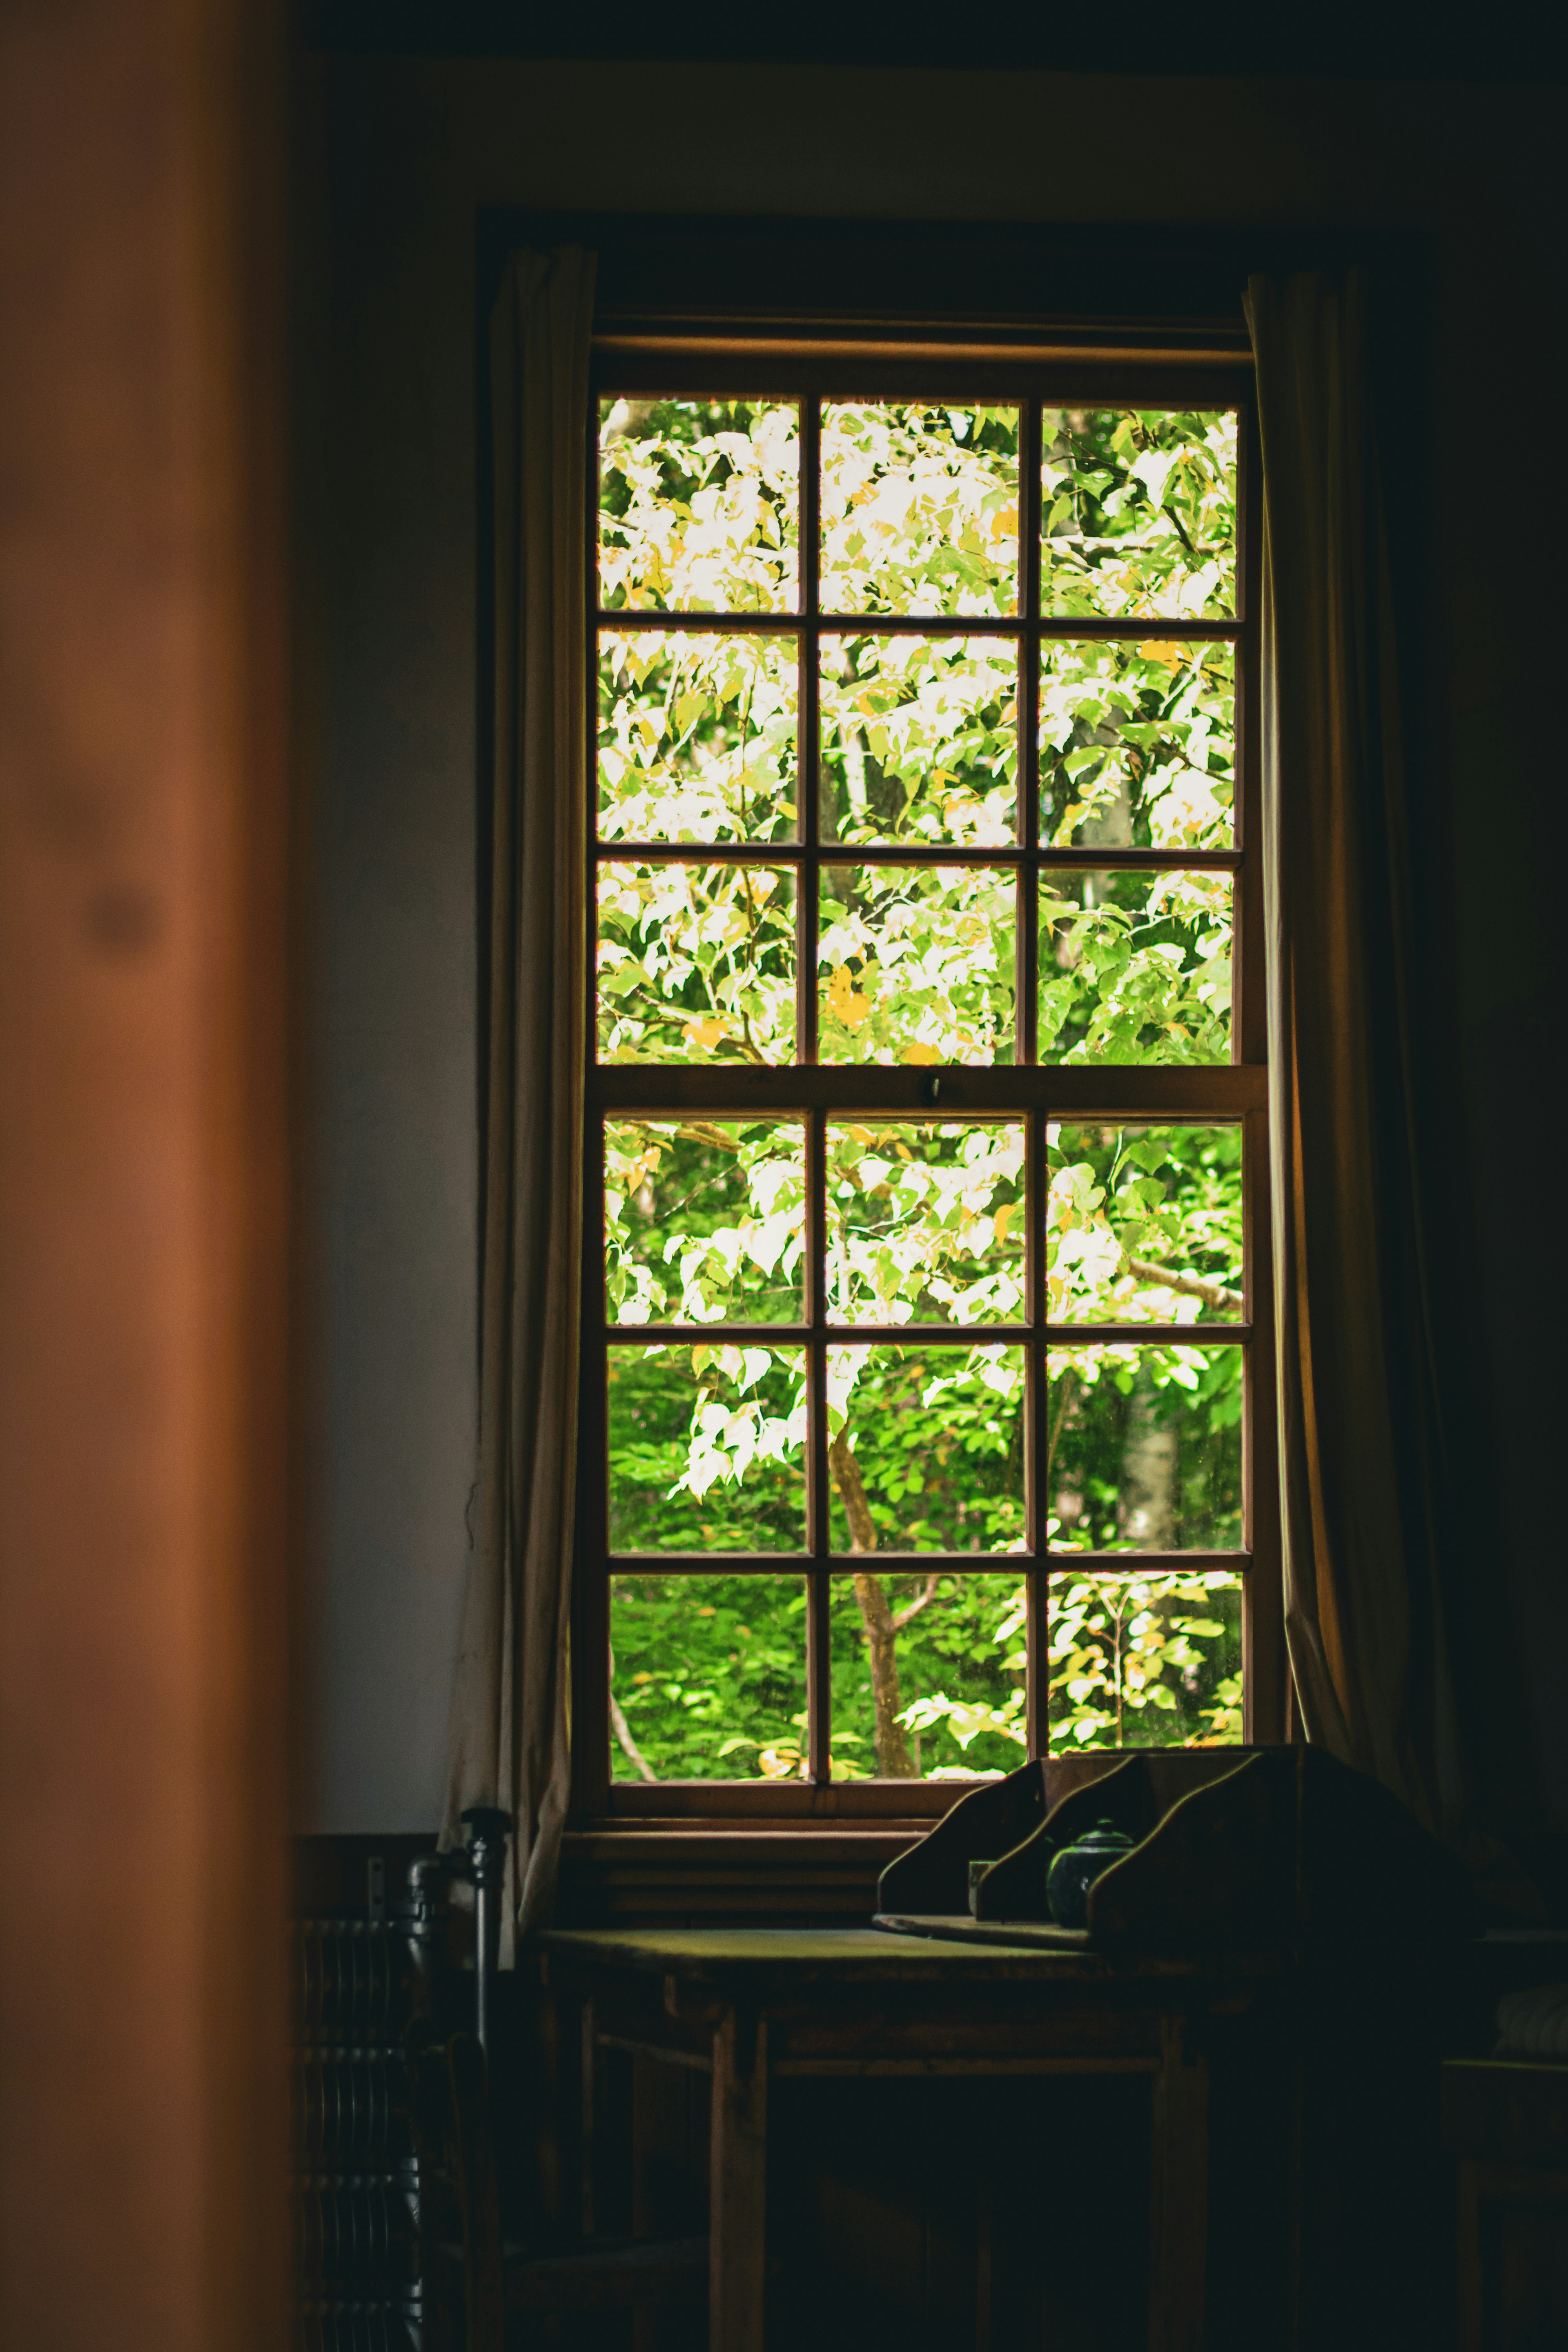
(926, 1423)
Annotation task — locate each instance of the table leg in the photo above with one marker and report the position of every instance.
(1472, 2292)
(1178, 2244)
(738, 2194)
(590, 2081)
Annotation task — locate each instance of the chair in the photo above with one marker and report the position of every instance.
(498, 2286)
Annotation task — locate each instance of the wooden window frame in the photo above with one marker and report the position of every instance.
(1148, 368)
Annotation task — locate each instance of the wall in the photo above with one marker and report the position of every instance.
(400, 153)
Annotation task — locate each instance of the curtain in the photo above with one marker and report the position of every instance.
(509, 1739)
(1360, 1436)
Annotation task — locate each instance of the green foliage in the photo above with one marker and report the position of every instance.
(925, 1218)
(919, 964)
(1145, 1448)
(1135, 967)
(697, 503)
(919, 508)
(1139, 513)
(696, 963)
(705, 1449)
(961, 1668)
(1150, 1663)
(697, 738)
(704, 1220)
(925, 1223)
(1144, 1224)
(710, 1675)
(1137, 744)
(919, 741)
(937, 1436)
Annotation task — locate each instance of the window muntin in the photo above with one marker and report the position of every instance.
(1004, 846)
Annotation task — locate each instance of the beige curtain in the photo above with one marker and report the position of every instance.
(1359, 1433)
(510, 1742)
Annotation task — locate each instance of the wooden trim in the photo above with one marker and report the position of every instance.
(914, 342)
(655, 620)
(1061, 379)
(769, 1803)
(1210, 1097)
(923, 1563)
(613, 851)
(929, 1335)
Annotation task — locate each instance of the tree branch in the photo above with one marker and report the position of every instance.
(894, 1761)
(624, 1733)
(1192, 1285)
(913, 1609)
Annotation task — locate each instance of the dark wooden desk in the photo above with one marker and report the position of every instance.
(751, 2005)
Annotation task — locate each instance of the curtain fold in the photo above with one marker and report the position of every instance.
(509, 1737)
(1361, 1436)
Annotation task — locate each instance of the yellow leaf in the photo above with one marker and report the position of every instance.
(705, 1034)
(851, 1009)
(920, 1052)
(1162, 650)
(1003, 1219)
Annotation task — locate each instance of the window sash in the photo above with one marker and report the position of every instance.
(1036, 1093)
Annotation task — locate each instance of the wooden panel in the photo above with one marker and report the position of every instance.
(1088, 2035)
(686, 1876)
(145, 1176)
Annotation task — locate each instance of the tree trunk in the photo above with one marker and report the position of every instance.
(1147, 1478)
(894, 1761)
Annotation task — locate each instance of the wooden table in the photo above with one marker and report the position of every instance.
(750, 2005)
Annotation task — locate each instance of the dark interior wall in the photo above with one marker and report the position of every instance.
(399, 156)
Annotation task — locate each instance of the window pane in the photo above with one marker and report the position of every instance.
(696, 963)
(704, 1221)
(1134, 966)
(919, 507)
(705, 1449)
(1144, 1449)
(916, 963)
(697, 737)
(1144, 1224)
(698, 505)
(926, 1448)
(706, 1678)
(939, 1696)
(1145, 1662)
(920, 739)
(1136, 745)
(925, 1224)
(1139, 508)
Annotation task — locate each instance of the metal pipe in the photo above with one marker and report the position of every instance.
(487, 1829)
